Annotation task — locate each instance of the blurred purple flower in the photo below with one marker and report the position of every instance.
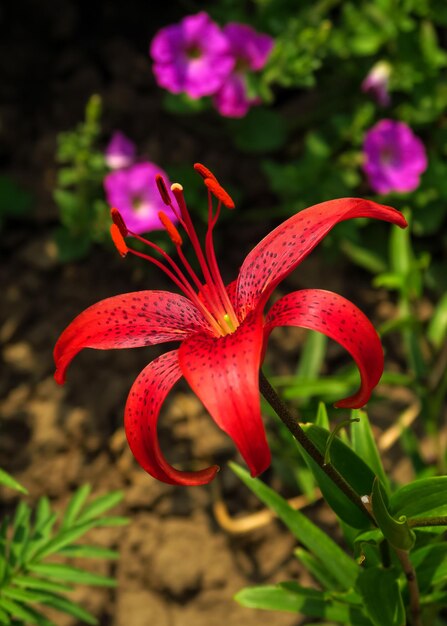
(376, 83)
(120, 151)
(134, 192)
(394, 157)
(250, 51)
(192, 57)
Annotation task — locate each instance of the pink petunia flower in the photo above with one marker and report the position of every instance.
(222, 329)
(120, 151)
(394, 157)
(251, 51)
(376, 83)
(193, 56)
(134, 193)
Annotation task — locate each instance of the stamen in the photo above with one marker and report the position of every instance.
(118, 239)
(162, 189)
(173, 233)
(219, 192)
(204, 171)
(118, 220)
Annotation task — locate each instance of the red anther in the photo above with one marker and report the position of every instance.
(118, 240)
(117, 219)
(162, 189)
(173, 233)
(204, 171)
(220, 193)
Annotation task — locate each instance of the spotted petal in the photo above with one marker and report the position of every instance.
(223, 372)
(340, 320)
(140, 420)
(286, 246)
(141, 318)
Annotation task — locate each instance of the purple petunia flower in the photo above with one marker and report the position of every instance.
(376, 83)
(394, 157)
(133, 191)
(120, 151)
(192, 57)
(251, 51)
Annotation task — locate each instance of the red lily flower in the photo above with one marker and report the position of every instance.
(222, 330)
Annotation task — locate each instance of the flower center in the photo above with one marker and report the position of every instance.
(388, 156)
(193, 52)
(206, 290)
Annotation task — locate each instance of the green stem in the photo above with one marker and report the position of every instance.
(293, 426)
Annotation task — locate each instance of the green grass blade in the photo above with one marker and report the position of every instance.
(100, 506)
(338, 563)
(71, 574)
(75, 505)
(8, 481)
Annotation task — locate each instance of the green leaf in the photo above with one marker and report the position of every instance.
(293, 598)
(71, 574)
(75, 505)
(316, 568)
(9, 481)
(89, 552)
(437, 328)
(350, 466)
(430, 563)
(312, 356)
(338, 563)
(70, 608)
(4, 618)
(398, 533)
(426, 497)
(261, 130)
(364, 445)
(100, 505)
(322, 418)
(62, 539)
(25, 613)
(30, 582)
(382, 600)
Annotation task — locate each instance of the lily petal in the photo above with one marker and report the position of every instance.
(340, 320)
(140, 420)
(224, 373)
(140, 318)
(289, 244)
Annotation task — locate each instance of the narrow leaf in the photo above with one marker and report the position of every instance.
(25, 613)
(75, 505)
(293, 598)
(100, 505)
(426, 497)
(89, 552)
(317, 569)
(430, 563)
(8, 481)
(364, 445)
(338, 563)
(30, 582)
(380, 591)
(71, 574)
(67, 606)
(398, 533)
(322, 418)
(350, 466)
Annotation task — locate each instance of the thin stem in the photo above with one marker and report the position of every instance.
(427, 521)
(293, 426)
(413, 589)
